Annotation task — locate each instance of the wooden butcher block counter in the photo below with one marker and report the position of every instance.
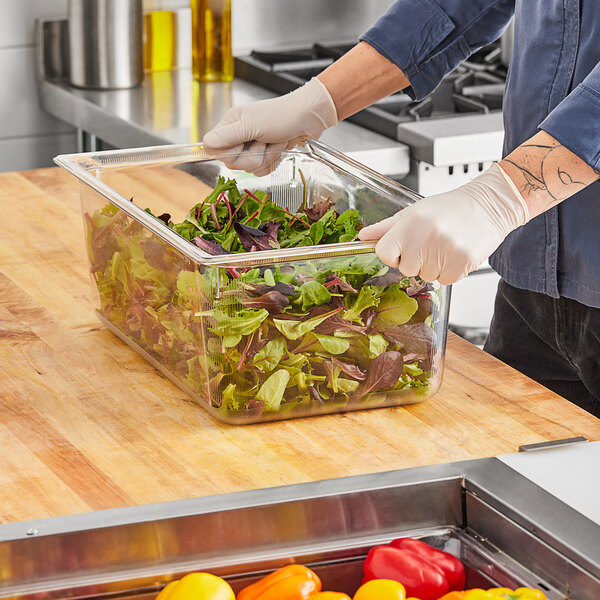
(86, 424)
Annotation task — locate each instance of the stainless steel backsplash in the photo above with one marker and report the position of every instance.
(289, 23)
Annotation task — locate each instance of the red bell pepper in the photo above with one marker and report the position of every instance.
(425, 572)
(448, 563)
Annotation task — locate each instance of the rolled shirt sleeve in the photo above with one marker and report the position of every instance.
(575, 122)
(429, 38)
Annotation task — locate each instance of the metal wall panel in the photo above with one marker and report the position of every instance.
(17, 24)
(20, 110)
(25, 142)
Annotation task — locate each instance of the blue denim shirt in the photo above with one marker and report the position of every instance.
(553, 84)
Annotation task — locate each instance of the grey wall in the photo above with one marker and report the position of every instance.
(29, 137)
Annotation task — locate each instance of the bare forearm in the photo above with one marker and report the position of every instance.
(361, 77)
(546, 172)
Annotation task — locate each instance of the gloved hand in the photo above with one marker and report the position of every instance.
(256, 134)
(448, 235)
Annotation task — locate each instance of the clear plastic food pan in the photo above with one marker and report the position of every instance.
(259, 336)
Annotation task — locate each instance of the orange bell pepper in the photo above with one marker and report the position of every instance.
(199, 586)
(380, 589)
(293, 582)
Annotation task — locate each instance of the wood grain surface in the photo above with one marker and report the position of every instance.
(86, 424)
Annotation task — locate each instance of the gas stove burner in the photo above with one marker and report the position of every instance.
(401, 105)
(334, 52)
(487, 60)
(476, 86)
(317, 57)
(478, 90)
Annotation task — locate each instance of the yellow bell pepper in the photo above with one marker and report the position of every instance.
(381, 589)
(496, 594)
(197, 586)
(330, 596)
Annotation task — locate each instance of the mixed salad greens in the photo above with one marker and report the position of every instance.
(306, 336)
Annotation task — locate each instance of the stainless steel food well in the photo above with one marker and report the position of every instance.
(505, 529)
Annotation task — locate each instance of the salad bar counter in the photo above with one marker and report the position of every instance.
(506, 531)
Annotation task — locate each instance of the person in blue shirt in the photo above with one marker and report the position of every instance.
(537, 212)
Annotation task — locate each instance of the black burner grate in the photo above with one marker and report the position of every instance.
(476, 86)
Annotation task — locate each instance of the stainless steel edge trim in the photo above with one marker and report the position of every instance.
(235, 500)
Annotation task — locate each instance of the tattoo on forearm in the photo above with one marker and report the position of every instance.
(548, 173)
(545, 172)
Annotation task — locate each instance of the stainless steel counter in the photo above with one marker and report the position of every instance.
(170, 107)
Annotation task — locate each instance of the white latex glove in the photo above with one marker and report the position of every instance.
(448, 235)
(253, 136)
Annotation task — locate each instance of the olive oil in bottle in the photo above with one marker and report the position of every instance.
(159, 40)
(212, 58)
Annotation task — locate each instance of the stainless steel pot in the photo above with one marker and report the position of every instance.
(105, 43)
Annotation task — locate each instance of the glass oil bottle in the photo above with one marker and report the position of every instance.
(212, 58)
(160, 28)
